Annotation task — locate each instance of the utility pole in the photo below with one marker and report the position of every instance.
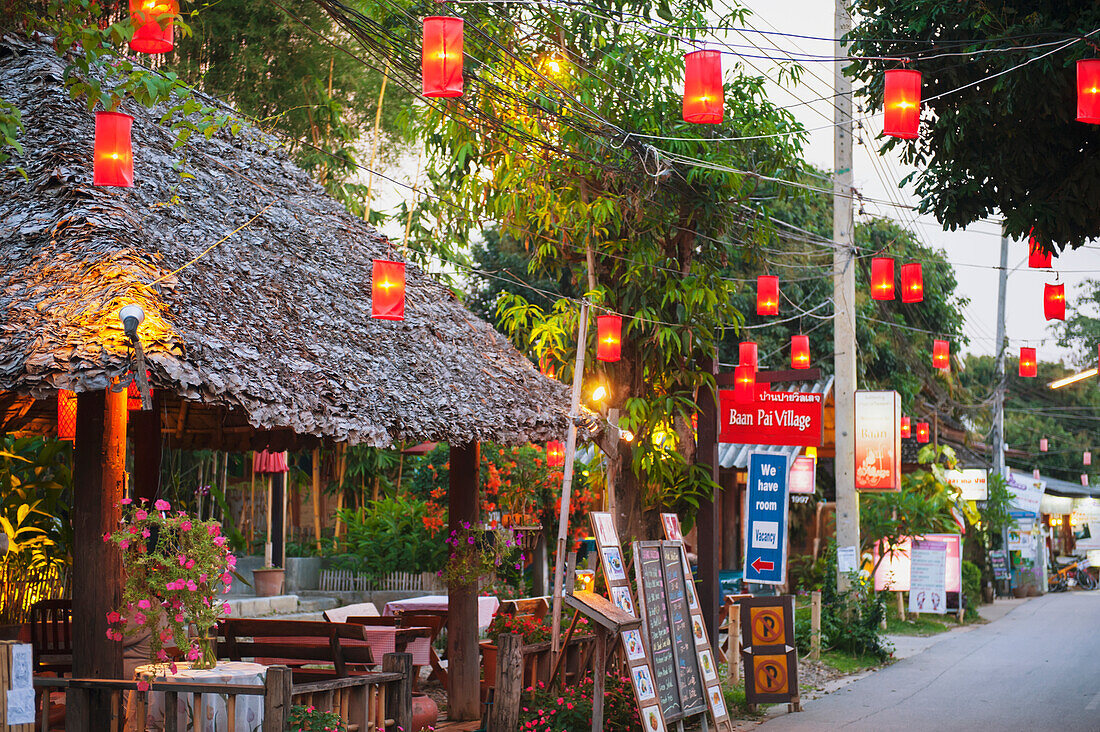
(844, 296)
(999, 394)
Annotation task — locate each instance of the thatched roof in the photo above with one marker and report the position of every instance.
(267, 335)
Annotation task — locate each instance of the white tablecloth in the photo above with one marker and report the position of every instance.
(250, 707)
(486, 607)
(383, 640)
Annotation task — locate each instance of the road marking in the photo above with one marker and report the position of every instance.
(1094, 704)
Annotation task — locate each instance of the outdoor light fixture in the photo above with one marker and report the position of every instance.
(599, 393)
(1084, 479)
(152, 21)
(924, 434)
(811, 451)
(1072, 379)
(800, 352)
(912, 282)
(113, 155)
(609, 329)
(744, 384)
(1028, 365)
(66, 415)
(941, 354)
(626, 435)
(882, 278)
(1036, 257)
(901, 101)
(441, 57)
(1054, 301)
(1088, 90)
(906, 427)
(555, 454)
(1044, 444)
(747, 355)
(767, 295)
(131, 316)
(704, 97)
(1087, 458)
(388, 290)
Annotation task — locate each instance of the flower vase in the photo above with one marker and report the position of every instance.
(207, 646)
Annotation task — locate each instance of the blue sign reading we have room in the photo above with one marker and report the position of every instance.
(766, 519)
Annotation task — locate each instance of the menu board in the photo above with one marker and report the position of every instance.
(683, 633)
(651, 591)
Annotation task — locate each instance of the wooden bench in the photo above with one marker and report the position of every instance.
(297, 644)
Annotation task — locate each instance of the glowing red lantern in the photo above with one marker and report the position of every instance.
(912, 282)
(133, 394)
(441, 57)
(1028, 365)
(704, 97)
(1054, 302)
(113, 163)
(1087, 458)
(1044, 444)
(901, 100)
(941, 354)
(1035, 474)
(744, 384)
(609, 343)
(1084, 479)
(882, 278)
(388, 290)
(906, 427)
(1036, 257)
(767, 295)
(800, 352)
(66, 415)
(924, 434)
(555, 454)
(152, 21)
(747, 355)
(1088, 91)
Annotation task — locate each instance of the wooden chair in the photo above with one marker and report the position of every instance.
(533, 608)
(51, 636)
(437, 621)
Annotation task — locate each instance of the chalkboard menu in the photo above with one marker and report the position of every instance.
(668, 623)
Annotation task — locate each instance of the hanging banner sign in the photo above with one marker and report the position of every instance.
(766, 519)
(973, 483)
(773, 418)
(893, 571)
(803, 477)
(878, 441)
(1027, 495)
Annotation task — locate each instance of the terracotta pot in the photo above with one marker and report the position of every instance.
(488, 663)
(425, 712)
(1019, 592)
(987, 594)
(268, 581)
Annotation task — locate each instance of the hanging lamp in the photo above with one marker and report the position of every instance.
(609, 337)
(113, 162)
(66, 415)
(388, 290)
(152, 21)
(767, 295)
(941, 354)
(901, 101)
(1036, 257)
(747, 355)
(924, 434)
(744, 384)
(1054, 301)
(555, 454)
(1088, 90)
(441, 57)
(912, 282)
(906, 427)
(800, 352)
(704, 97)
(1028, 364)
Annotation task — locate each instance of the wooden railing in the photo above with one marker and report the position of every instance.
(345, 580)
(368, 703)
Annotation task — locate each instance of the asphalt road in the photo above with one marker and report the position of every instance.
(1037, 668)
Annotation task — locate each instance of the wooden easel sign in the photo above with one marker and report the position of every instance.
(768, 650)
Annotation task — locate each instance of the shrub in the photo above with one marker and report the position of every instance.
(545, 709)
(311, 719)
(972, 588)
(390, 536)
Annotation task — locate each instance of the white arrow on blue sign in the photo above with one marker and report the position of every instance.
(766, 519)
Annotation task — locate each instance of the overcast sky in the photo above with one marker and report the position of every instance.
(974, 252)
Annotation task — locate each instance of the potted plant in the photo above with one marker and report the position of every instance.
(175, 567)
(268, 580)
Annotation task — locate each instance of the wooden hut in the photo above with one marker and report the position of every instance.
(256, 288)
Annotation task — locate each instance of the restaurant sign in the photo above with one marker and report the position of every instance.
(878, 441)
(773, 418)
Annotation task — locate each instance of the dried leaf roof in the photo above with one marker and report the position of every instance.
(270, 332)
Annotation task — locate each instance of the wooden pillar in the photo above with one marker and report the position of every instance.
(708, 518)
(147, 444)
(99, 476)
(463, 696)
(730, 502)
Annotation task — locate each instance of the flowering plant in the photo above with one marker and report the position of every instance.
(547, 709)
(312, 719)
(175, 567)
(532, 630)
(478, 553)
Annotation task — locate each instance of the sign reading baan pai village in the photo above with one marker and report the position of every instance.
(773, 418)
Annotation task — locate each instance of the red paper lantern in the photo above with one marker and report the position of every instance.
(704, 97)
(1054, 302)
(912, 282)
(1087, 458)
(767, 295)
(1088, 91)
(901, 100)
(269, 463)
(1035, 474)
(133, 393)
(747, 355)
(555, 454)
(882, 278)
(66, 415)
(388, 290)
(800, 352)
(152, 21)
(113, 163)
(941, 354)
(1084, 479)
(1028, 365)
(1036, 257)
(1044, 444)
(906, 427)
(609, 329)
(924, 434)
(744, 384)
(441, 57)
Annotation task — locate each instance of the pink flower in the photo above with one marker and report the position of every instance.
(185, 526)
(193, 654)
(203, 577)
(173, 668)
(231, 561)
(181, 559)
(139, 618)
(179, 617)
(143, 685)
(192, 586)
(145, 533)
(113, 617)
(106, 537)
(226, 608)
(124, 544)
(162, 505)
(143, 604)
(190, 564)
(140, 515)
(220, 540)
(127, 501)
(214, 530)
(162, 655)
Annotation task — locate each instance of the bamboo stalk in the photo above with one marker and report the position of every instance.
(374, 145)
(317, 497)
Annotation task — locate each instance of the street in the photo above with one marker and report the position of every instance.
(1037, 668)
